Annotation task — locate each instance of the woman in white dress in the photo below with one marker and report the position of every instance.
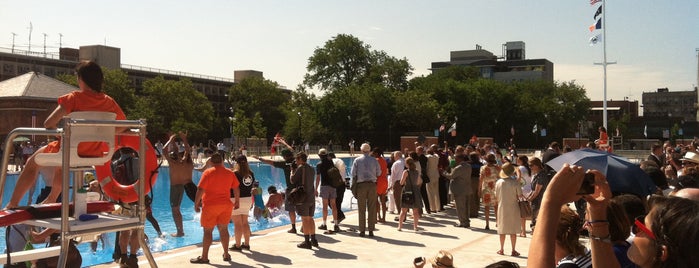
(508, 191)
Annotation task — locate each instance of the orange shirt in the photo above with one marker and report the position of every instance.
(78, 101)
(217, 183)
(603, 139)
(382, 180)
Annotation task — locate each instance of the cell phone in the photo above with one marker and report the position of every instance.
(588, 185)
(419, 260)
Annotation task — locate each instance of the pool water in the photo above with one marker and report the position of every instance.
(265, 174)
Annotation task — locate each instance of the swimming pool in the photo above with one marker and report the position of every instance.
(265, 174)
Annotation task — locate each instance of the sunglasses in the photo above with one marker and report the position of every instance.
(639, 226)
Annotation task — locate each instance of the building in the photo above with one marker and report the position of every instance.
(27, 100)
(665, 104)
(513, 66)
(17, 62)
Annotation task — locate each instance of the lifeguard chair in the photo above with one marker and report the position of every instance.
(80, 128)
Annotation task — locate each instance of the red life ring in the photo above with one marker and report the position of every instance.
(127, 193)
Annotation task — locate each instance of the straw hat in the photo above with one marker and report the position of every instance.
(691, 157)
(443, 259)
(507, 170)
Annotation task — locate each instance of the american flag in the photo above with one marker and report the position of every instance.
(592, 2)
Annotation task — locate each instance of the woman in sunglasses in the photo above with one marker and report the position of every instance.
(664, 237)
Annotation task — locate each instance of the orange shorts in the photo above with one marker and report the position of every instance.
(213, 215)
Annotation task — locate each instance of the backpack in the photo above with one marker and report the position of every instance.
(335, 178)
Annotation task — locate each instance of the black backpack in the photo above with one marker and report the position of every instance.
(335, 177)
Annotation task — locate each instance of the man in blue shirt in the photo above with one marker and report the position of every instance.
(366, 169)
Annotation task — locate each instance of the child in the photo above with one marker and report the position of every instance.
(275, 201)
(259, 208)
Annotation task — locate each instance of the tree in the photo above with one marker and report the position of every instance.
(345, 60)
(172, 106)
(256, 95)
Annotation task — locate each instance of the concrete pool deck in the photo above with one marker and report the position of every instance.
(473, 247)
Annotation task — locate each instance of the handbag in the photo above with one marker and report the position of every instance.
(297, 195)
(525, 209)
(407, 198)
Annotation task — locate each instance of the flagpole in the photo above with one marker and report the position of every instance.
(604, 63)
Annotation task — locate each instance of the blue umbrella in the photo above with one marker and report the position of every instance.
(622, 175)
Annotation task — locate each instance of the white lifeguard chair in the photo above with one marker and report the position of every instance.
(81, 127)
(80, 134)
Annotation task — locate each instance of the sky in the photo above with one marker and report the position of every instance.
(654, 43)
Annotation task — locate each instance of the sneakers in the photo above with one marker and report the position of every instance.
(292, 230)
(337, 228)
(323, 227)
(304, 244)
(314, 243)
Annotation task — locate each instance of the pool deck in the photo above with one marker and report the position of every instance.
(473, 247)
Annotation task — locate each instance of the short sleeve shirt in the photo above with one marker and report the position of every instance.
(217, 183)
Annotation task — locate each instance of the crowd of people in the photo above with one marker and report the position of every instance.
(606, 229)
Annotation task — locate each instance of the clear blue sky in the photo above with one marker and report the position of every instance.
(654, 42)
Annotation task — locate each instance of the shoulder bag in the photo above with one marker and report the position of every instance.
(407, 198)
(297, 195)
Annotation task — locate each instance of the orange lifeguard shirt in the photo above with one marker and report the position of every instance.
(603, 139)
(217, 183)
(78, 101)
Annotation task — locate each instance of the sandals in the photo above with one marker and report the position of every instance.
(236, 248)
(514, 253)
(226, 257)
(500, 252)
(198, 260)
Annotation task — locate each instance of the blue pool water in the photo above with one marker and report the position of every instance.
(265, 174)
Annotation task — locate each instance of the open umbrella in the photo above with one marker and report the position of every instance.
(20, 139)
(622, 175)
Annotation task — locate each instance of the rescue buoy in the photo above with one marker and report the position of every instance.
(112, 174)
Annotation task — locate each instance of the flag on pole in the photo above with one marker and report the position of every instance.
(595, 39)
(593, 2)
(597, 13)
(645, 131)
(535, 128)
(597, 25)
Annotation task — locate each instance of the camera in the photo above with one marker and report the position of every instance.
(588, 184)
(419, 261)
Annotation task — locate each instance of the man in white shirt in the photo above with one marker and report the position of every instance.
(340, 165)
(396, 174)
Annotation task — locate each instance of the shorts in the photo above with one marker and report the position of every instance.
(244, 206)
(328, 192)
(176, 193)
(306, 209)
(214, 215)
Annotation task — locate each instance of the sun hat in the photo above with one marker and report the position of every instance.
(322, 152)
(443, 259)
(507, 170)
(691, 157)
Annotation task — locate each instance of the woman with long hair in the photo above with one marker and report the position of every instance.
(525, 180)
(486, 188)
(241, 227)
(411, 181)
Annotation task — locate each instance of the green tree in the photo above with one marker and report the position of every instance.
(255, 95)
(172, 106)
(345, 60)
(241, 125)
